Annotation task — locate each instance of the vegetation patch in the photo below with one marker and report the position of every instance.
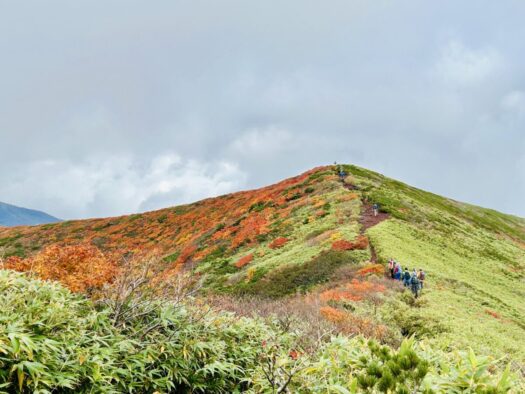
(288, 279)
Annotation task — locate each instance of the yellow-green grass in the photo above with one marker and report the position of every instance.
(474, 282)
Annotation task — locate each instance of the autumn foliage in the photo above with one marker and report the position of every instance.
(352, 324)
(494, 314)
(354, 291)
(278, 243)
(372, 269)
(360, 243)
(80, 267)
(244, 260)
(188, 233)
(333, 315)
(192, 231)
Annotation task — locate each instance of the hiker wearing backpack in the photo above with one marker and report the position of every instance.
(391, 266)
(397, 271)
(376, 209)
(342, 175)
(406, 277)
(414, 284)
(421, 276)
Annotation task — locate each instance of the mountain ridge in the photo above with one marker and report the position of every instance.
(308, 233)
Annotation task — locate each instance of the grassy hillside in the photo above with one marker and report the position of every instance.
(313, 233)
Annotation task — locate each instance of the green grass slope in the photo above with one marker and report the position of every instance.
(474, 258)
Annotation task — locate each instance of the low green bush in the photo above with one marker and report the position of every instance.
(288, 279)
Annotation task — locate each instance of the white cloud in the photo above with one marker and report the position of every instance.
(89, 107)
(263, 142)
(461, 65)
(118, 185)
(514, 102)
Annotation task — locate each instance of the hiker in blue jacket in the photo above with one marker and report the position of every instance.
(406, 277)
(398, 271)
(342, 175)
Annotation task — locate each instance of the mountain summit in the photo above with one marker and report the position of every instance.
(318, 233)
(11, 215)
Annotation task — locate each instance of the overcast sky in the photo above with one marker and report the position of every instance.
(112, 107)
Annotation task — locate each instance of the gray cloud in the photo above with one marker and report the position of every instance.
(116, 107)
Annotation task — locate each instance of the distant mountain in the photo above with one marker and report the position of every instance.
(11, 215)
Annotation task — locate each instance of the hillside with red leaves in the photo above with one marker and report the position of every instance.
(183, 235)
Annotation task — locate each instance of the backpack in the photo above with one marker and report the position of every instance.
(414, 280)
(406, 275)
(422, 275)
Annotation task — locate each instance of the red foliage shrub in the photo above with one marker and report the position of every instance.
(244, 260)
(360, 243)
(493, 313)
(186, 254)
(278, 243)
(342, 244)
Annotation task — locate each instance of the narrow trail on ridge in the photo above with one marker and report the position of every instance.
(368, 219)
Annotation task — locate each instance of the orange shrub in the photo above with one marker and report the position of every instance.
(361, 242)
(354, 291)
(18, 264)
(255, 224)
(79, 268)
(340, 295)
(332, 314)
(278, 243)
(321, 213)
(372, 269)
(348, 197)
(244, 260)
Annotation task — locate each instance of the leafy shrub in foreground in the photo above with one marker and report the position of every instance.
(52, 340)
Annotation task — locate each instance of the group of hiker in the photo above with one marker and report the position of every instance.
(413, 280)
